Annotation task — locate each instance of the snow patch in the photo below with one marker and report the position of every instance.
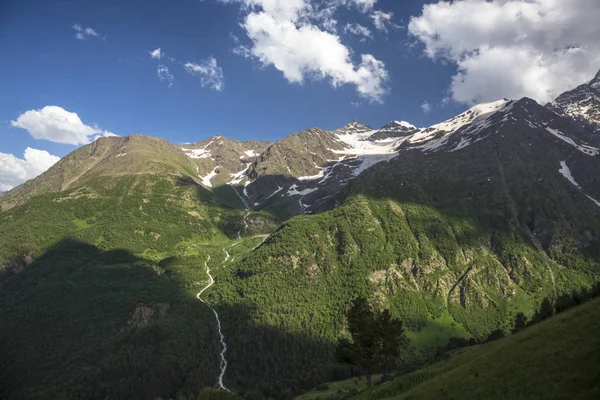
(585, 149)
(293, 191)
(201, 152)
(405, 124)
(251, 153)
(238, 176)
(473, 113)
(367, 152)
(206, 179)
(594, 200)
(313, 177)
(474, 119)
(279, 189)
(566, 172)
(197, 153)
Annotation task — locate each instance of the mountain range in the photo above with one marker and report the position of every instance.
(456, 228)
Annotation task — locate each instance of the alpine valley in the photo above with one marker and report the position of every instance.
(135, 268)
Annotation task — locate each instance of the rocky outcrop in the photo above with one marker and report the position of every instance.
(144, 314)
(582, 105)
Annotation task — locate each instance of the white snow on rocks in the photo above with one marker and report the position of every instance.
(251, 154)
(476, 118)
(197, 153)
(368, 152)
(585, 149)
(594, 200)
(201, 152)
(321, 174)
(566, 172)
(239, 176)
(206, 179)
(293, 191)
(405, 124)
(279, 189)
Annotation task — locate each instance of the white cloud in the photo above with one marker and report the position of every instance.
(156, 54)
(211, 74)
(164, 74)
(58, 125)
(14, 170)
(358, 29)
(426, 107)
(363, 5)
(511, 48)
(295, 36)
(83, 33)
(383, 21)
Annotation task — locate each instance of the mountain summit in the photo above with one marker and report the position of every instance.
(582, 104)
(595, 83)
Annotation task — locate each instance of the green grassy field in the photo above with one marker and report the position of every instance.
(437, 332)
(338, 388)
(555, 359)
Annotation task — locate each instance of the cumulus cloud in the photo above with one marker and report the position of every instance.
(58, 125)
(358, 30)
(512, 48)
(156, 54)
(164, 74)
(210, 73)
(383, 21)
(295, 37)
(83, 33)
(426, 107)
(14, 170)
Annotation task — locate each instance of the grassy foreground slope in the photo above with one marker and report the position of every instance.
(555, 359)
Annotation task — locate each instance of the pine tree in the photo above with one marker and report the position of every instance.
(376, 339)
(546, 311)
(520, 322)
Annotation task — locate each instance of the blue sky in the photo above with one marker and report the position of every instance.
(110, 78)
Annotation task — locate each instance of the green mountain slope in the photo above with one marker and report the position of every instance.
(457, 242)
(103, 255)
(99, 276)
(555, 359)
(105, 157)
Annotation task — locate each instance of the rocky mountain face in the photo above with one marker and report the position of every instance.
(394, 129)
(479, 217)
(582, 105)
(218, 160)
(302, 172)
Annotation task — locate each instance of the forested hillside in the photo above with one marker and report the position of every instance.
(123, 265)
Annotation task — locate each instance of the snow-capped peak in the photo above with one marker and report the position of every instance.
(470, 115)
(405, 124)
(354, 126)
(595, 83)
(474, 120)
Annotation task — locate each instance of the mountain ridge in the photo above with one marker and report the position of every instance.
(455, 228)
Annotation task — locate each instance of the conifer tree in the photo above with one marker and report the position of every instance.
(376, 339)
